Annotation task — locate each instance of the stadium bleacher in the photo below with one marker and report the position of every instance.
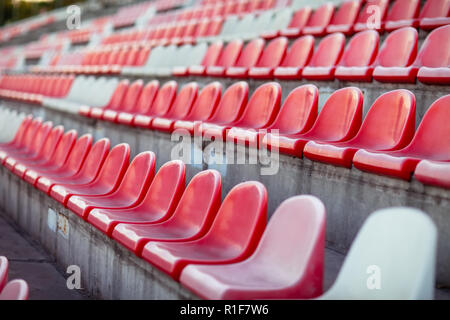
(351, 112)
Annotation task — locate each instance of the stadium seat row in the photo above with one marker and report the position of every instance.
(189, 234)
(14, 289)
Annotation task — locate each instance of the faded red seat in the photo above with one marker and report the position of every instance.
(191, 220)
(128, 102)
(232, 237)
(204, 107)
(389, 125)
(298, 22)
(271, 58)
(372, 11)
(339, 120)
(429, 143)
(106, 181)
(298, 55)
(248, 58)
(179, 110)
(227, 58)
(89, 165)
(360, 54)
(260, 112)
(323, 63)
(210, 59)
(287, 264)
(163, 102)
(433, 173)
(403, 13)
(319, 20)
(345, 17)
(434, 14)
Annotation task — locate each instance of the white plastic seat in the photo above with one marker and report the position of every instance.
(228, 27)
(244, 29)
(170, 57)
(281, 19)
(262, 23)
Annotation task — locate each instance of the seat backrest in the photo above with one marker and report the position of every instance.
(211, 56)
(229, 25)
(184, 101)
(263, 21)
(206, 102)
(64, 148)
(52, 138)
(367, 11)
(245, 24)
(251, 53)
(403, 10)
(300, 18)
(114, 166)
(273, 53)
(29, 137)
(435, 51)
(196, 54)
(156, 55)
(15, 290)
(347, 13)
(230, 53)
(392, 257)
(390, 121)
(117, 97)
(232, 103)
(3, 272)
(299, 53)
(130, 98)
(79, 153)
(435, 9)
(164, 99)
(95, 159)
(281, 19)
(299, 110)
(40, 138)
(262, 107)
(362, 49)
(329, 51)
(340, 117)
(20, 135)
(146, 97)
(321, 16)
(399, 49)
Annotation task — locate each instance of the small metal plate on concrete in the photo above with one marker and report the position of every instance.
(52, 219)
(63, 226)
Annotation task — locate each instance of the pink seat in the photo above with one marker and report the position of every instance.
(429, 143)
(163, 102)
(271, 58)
(232, 237)
(399, 50)
(130, 192)
(298, 55)
(356, 62)
(106, 181)
(191, 220)
(345, 17)
(319, 20)
(128, 103)
(227, 58)
(3, 272)
(260, 112)
(287, 264)
(88, 171)
(230, 108)
(15, 290)
(142, 105)
(339, 120)
(389, 125)
(322, 65)
(113, 104)
(204, 107)
(179, 110)
(434, 14)
(373, 10)
(249, 57)
(433, 173)
(403, 13)
(298, 22)
(210, 59)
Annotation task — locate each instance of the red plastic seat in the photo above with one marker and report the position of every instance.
(158, 205)
(403, 13)
(128, 102)
(339, 120)
(323, 63)
(163, 102)
(260, 112)
(106, 181)
(389, 125)
(113, 104)
(89, 167)
(204, 107)
(227, 58)
(398, 50)
(429, 143)
(433, 173)
(248, 58)
(229, 110)
(345, 17)
(298, 22)
(143, 104)
(210, 59)
(319, 20)
(298, 55)
(15, 290)
(130, 192)
(179, 110)
(435, 13)
(232, 237)
(287, 264)
(191, 220)
(372, 11)
(271, 58)
(3, 272)
(360, 54)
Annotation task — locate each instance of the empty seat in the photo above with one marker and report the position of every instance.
(287, 264)
(271, 58)
(403, 13)
(128, 101)
(210, 59)
(356, 62)
(298, 55)
(429, 143)
(435, 13)
(15, 290)
(319, 20)
(279, 22)
(298, 22)
(191, 219)
(248, 58)
(345, 17)
(372, 15)
(339, 120)
(323, 63)
(233, 236)
(433, 173)
(389, 125)
(227, 58)
(395, 247)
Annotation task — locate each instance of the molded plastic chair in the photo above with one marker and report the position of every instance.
(271, 58)
(248, 58)
(345, 17)
(434, 14)
(227, 58)
(210, 59)
(319, 20)
(403, 13)
(298, 22)
(367, 14)
(128, 103)
(433, 173)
